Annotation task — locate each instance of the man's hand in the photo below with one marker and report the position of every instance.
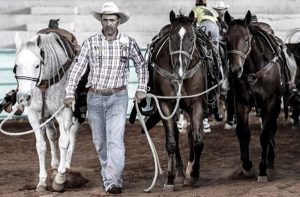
(139, 95)
(69, 102)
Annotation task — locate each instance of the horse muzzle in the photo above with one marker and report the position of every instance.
(236, 70)
(24, 99)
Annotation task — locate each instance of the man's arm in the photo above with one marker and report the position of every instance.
(140, 67)
(77, 70)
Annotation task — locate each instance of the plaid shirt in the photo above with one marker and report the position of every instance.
(109, 63)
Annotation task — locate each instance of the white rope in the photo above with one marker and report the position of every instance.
(157, 165)
(152, 146)
(25, 132)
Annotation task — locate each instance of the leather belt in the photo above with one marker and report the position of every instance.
(106, 92)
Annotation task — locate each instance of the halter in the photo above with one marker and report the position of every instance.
(36, 79)
(243, 55)
(180, 51)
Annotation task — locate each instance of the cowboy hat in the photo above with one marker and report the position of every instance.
(111, 8)
(221, 6)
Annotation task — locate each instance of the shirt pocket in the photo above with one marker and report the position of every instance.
(124, 55)
(96, 55)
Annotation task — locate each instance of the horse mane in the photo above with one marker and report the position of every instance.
(55, 53)
(261, 34)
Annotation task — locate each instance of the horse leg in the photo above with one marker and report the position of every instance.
(196, 143)
(64, 142)
(53, 141)
(190, 160)
(41, 149)
(169, 126)
(267, 141)
(72, 134)
(244, 136)
(179, 165)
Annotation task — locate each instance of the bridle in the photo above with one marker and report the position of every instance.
(35, 79)
(240, 53)
(180, 51)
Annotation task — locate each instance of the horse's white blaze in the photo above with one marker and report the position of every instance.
(181, 33)
(25, 61)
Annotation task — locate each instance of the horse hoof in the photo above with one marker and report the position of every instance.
(207, 130)
(190, 181)
(262, 179)
(249, 173)
(169, 188)
(58, 187)
(179, 179)
(41, 188)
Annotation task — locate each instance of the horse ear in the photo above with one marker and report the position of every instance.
(172, 16)
(248, 18)
(192, 16)
(18, 41)
(227, 18)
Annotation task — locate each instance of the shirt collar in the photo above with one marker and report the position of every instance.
(116, 38)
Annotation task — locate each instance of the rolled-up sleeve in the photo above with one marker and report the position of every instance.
(140, 67)
(77, 69)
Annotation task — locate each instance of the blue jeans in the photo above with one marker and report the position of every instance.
(209, 26)
(107, 118)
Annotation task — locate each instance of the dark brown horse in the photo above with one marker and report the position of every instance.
(179, 69)
(255, 65)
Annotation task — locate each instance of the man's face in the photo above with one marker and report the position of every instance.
(109, 24)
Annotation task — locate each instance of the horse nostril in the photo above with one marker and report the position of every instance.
(28, 98)
(240, 70)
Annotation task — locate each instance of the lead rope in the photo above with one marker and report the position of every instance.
(30, 131)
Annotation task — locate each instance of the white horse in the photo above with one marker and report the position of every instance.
(38, 62)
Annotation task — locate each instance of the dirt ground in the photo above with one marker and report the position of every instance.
(219, 164)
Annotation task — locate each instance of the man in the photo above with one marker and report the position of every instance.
(207, 21)
(107, 55)
(221, 8)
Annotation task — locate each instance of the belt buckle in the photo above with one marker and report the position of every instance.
(106, 93)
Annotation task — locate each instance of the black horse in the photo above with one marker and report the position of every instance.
(180, 61)
(255, 64)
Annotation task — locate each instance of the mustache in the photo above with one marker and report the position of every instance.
(108, 29)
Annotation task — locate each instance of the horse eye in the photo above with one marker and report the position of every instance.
(37, 66)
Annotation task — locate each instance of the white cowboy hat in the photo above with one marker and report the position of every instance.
(221, 6)
(111, 8)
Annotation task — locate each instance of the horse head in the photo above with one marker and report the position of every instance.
(238, 42)
(182, 42)
(28, 67)
(31, 58)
